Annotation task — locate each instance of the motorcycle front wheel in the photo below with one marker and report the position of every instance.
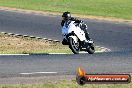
(74, 46)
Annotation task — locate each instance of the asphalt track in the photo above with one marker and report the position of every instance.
(113, 35)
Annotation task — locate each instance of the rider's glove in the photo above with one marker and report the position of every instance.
(78, 21)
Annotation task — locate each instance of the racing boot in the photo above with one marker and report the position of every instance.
(88, 39)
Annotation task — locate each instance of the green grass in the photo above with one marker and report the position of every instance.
(110, 8)
(66, 84)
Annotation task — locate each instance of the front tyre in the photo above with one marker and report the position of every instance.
(74, 45)
(91, 49)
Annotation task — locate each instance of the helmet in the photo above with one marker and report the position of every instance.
(66, 15)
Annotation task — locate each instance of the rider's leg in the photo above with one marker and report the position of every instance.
(64, 42)
(86, 34)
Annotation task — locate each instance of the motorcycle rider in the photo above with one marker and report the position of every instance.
(66, 20)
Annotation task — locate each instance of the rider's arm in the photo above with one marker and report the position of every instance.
(76, 20)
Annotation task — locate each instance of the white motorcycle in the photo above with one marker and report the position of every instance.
(74, 36)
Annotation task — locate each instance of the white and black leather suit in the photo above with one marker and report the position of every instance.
(79, 23)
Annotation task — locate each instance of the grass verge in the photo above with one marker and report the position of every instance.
(25, 45)
(106, 8)
(21, 45)
(66, 84)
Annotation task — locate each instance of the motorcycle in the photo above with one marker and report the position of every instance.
(74, 36)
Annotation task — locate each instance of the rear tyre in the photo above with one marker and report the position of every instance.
(75, 47)
(91, 49)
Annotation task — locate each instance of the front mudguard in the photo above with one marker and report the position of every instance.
(74, 37)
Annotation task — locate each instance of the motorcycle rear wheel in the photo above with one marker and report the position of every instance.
(75, 47)
(91, 49)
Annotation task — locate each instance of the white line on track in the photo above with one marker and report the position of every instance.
(14, 54)
(38, 73)
(58, 53)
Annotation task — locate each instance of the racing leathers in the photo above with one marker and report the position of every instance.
(79, 23)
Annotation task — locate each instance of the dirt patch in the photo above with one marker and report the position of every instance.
(21, 45)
